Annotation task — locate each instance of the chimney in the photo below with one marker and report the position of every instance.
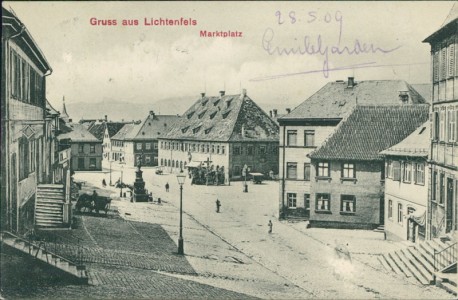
(244, 92)
(404, 97)
(270, 113)
(222, 93)
(351, 82)
(275, 113)
(202, 95)
(70, 120)
(151, 112)
(288, 110)
(106, 118)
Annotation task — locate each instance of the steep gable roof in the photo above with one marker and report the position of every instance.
(450, 25)
(78, 133)
(122, 133)
(337, 99)
(98, 129)
(416, 144)
(224, 118)
(371, 129)
(154, 126)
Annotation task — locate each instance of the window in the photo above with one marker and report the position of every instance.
(92, 163)
(92, 148)
(420, 173)
(451, 126)
(443, 64)
(323, 169)
(399, 213)
(202, 148)
(442, 126)
(80, 148)
(451, 60)
(389, 169)
(23, 159)
(441, 188)
(307, 172)
(147, 159)
(217, 149)
(390, 209)
(250, 149)
(81, 163)
(223, 149)
(309, 138)
(147, 146)
(436, 64)
(291, 200)
(348, 170)
(323, 202)
(436, 125)
(434, 187)
(307, 201)
(291, 138)
(155, 146)
(396, 171)
(236, 150)
(348, 203)
(291, 170)
(237, 171)
(407, 172)
(139, 146)
(262, 149)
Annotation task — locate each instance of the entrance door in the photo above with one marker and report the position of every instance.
(382, 211)
(449, 206)
(410, 225)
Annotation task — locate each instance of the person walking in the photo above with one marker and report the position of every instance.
(218, 204)
(270, 226)
(167, 186)
(104, 183)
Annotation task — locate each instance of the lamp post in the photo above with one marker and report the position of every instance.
(110, 173)
(181, 177)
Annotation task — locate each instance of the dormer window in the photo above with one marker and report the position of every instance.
(216, 102)
(196, 130)
(228, 103)
(213, 114)
(202, 114)
(204, 102)
(184, 129)
(207, 131)
(189, 116)
(226, 114)
(404, 97)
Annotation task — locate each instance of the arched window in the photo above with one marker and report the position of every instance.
(181, 165)
(168, 163)
(173, 164)
(162, 161)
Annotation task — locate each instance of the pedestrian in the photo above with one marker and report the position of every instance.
(218, 204)
(270, 226)
(104, 183)
(167, 186)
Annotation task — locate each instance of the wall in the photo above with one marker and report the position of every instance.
(367, 189)
(86, 155)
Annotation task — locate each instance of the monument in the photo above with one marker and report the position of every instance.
(139, 194)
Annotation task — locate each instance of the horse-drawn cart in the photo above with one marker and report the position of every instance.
(93, 203)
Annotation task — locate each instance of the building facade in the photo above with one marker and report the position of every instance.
(307, 127)
(443, 187)
(406, 186)
(347, 171)
(229, 131)
(23, 130)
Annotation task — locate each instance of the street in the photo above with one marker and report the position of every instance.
(233, 249)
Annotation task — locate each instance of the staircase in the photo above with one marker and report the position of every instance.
(40, 251)
(417, 261)
(49, 206)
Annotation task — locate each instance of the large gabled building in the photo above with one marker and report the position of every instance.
(347, 170)
(308, 125)
(443, 188)
(23, 129)
(228, 131)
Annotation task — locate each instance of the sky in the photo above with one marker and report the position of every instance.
(143, 63)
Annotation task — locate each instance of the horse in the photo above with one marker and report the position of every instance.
(90, 203)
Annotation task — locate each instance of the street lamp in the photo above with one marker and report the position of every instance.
(181, 177)
(120, 184)
(110, 173)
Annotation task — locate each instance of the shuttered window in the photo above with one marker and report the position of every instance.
(451, 60)
(443, 64)
(436, 65)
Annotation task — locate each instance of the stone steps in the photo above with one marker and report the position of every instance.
(77, 272)
(49, 204)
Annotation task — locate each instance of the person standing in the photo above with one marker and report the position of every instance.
(270, 226)
(218, 204)
(104, 183)
(167, 186)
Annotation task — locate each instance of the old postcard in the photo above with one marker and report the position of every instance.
(229, 150)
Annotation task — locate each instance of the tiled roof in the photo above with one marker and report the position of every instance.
(370, 129)
(416, 144)
(51, 110)
(336, 99)
(225, 118)
(79, 133)
(98, 129)
(124, 131)
(154, 126)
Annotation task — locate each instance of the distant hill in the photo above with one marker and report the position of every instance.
(124, 110)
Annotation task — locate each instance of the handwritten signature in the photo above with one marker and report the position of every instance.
(310, 46)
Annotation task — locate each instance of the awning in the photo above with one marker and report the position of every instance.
(419, 216)
(256, 174)
(194, 164)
